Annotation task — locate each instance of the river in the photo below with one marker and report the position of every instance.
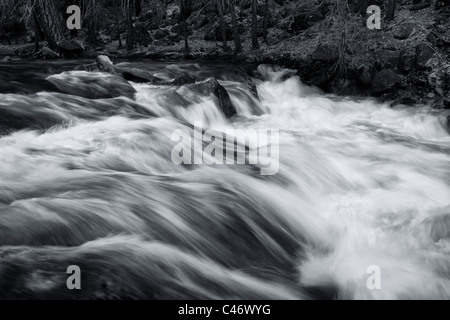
(361, 186)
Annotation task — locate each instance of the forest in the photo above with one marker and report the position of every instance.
(327, 41)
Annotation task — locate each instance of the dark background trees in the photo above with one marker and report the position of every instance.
(201, 25)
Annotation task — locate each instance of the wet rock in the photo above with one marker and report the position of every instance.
(406, 98)
(105, 64)
(70, 48)
(385, 81)
(423, 54)
(215, 88)
(225, 103)
(253, 88)
(92, 85)
(132, 74)
(138, 75)
(184, 78)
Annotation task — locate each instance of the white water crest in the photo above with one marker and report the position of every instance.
(90, 182)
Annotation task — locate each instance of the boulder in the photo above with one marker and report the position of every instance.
(385, 81)
(70, 48)
(225, 103)
(365, 75)
(132, 74)
(214, 87)
(386, 59)
(92, 85)
(403, 32)
(49, 54)
(406, 61)
(184, 78)
(138, 75)
(105, 64)
(423, 54)
(325, 52)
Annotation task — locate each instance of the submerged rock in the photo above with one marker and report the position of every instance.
(440, 227)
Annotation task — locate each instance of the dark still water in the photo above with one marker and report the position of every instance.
(87, 178)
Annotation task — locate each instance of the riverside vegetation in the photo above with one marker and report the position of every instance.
(325, 41)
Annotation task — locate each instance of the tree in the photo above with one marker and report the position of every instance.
(131, 11)
(390, 10)
(237, 37)
(185, 12)
(363, 7)
(266, 19)
(50, 21)
(255, 43)
(36, 33)
(91, 15)
(220, 9)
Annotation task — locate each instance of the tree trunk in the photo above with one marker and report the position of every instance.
(36, 33)
(255, 43)
(93, 24)
(237, 37)
(220, 9)
(130, 33)
(390, 10)
(50, 21)
(266, 19)
(363, 7)
(184, 12)
(116, 11)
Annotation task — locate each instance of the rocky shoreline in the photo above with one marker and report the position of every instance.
(406, 63)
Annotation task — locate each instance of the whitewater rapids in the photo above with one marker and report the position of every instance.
(90, 182)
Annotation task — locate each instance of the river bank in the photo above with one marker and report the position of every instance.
(406, 62)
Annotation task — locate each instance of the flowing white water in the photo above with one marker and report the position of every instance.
(91, 183)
